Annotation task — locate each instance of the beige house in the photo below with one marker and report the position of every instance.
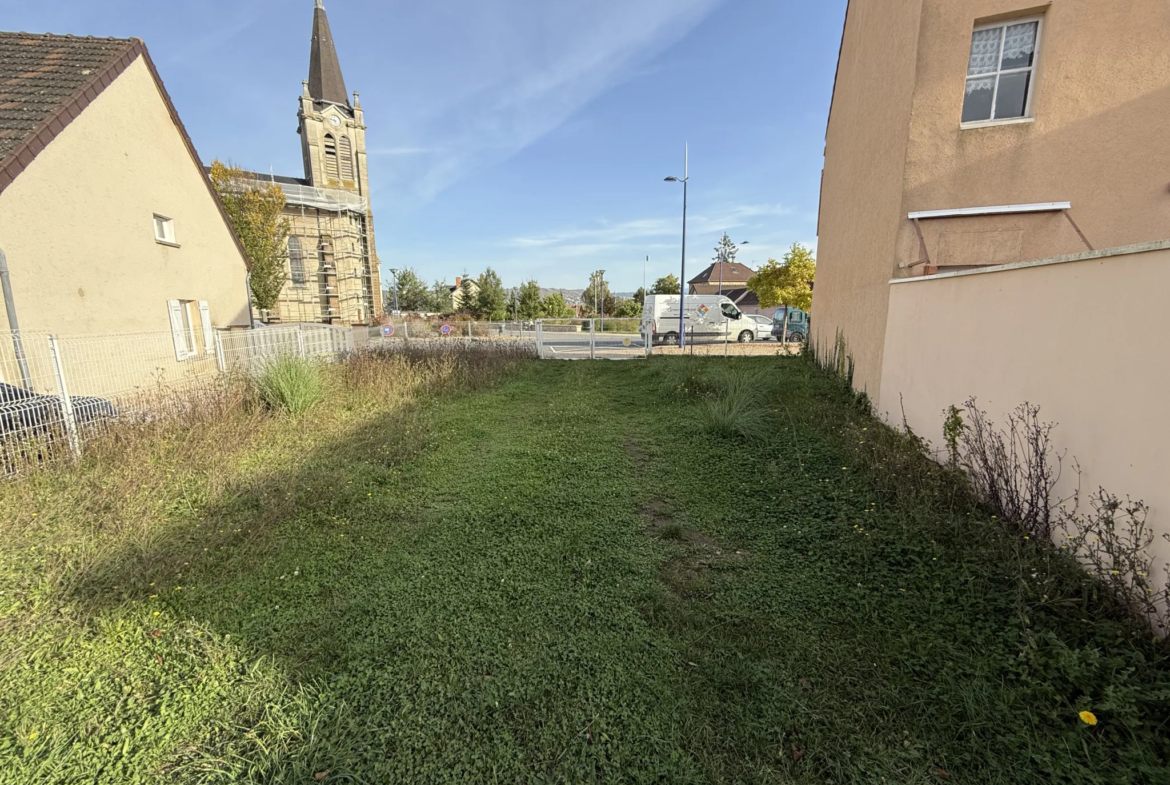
(966, 133)
(457, 291)
(107, 222)
(333, 274)
(994, 214)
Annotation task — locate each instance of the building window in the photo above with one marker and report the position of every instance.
(330, 157)
(296, 260)
(164, 230)
(1001, 72)
(191, 328)
(345, 152)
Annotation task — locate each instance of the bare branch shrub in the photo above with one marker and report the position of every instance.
(1112, 541)
(1013, 471)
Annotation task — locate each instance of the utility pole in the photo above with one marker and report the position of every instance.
(682, 299)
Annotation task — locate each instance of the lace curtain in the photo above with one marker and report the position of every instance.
(1019, 48)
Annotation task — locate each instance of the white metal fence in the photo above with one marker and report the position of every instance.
(55, 391)
(592, 339)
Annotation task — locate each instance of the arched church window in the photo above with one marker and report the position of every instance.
(331, 158)
(296, 260)
(345, 153)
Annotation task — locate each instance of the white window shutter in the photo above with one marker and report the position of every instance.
(208, 333)
(177, 333)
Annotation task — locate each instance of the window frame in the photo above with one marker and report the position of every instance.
(998, 74)
(168, 235)
(299, 254)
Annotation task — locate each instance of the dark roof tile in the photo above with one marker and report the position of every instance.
(40, 74)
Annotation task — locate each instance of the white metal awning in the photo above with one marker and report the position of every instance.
(961, 212)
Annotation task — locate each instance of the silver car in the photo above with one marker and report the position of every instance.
(755, 328)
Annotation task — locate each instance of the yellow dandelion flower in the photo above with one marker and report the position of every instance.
(32, 735)
(1088, 717)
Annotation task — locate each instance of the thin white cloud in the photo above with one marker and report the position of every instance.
(728, 218)
(400, 151)
(524, 70)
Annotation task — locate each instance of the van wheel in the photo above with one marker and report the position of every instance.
(670, 339)
(747, 336)
(796, 338)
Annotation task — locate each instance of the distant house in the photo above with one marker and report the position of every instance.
(721, 277)
(106, 218)
(457, 291)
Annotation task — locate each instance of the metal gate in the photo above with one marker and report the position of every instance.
(592, 339)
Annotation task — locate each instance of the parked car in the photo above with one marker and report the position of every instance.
(763, 326)
(798, 325)
(23, 412)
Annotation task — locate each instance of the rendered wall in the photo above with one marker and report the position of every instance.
(896, 145)
(1084, 340)
(77, 224)
(861, 192)
(1097, 138)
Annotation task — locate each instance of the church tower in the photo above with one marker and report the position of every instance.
(333, 146)
(333, 132)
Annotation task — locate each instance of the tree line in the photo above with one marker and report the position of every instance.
(485, 297)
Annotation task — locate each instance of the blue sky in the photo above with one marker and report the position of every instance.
(528, 135)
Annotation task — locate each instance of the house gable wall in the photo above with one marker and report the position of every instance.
(77, 223)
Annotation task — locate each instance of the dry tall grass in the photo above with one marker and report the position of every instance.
(223, 448)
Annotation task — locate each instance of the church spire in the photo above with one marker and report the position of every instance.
(325, 80)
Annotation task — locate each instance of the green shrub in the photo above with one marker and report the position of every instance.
(291, 384)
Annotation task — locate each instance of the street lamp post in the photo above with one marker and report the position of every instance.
(682, 284)
(394, 272)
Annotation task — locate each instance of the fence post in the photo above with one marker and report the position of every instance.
(469, 331)
(219, 359)
(592, 340)
(406, 331)
(540, 339)
(67, 413)
(300, 340)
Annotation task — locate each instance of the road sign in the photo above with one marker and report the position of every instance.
(387, 330)
(446, 329)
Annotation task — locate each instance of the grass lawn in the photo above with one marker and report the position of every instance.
(557, 576)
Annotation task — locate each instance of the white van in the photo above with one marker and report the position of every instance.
(708, 317)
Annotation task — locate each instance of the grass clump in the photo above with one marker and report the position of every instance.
(291, 384)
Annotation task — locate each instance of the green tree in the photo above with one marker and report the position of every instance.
(787, 283)
(726, 250)
(597, 297)
(492, 298)
(627, 308)
(640, 296)
(413, 294)
(468, 296)
(530, 306)
(555, 307)
(256, 210)
(440, 298)
(667, 285)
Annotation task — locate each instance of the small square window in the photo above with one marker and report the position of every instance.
(1001, 71)
(164, 229)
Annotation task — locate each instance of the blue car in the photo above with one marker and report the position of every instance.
(798, 324)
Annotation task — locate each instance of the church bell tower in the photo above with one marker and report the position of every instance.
(332, 129)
